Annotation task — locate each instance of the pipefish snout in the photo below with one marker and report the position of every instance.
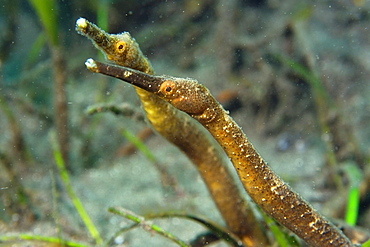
(186, 95)
(266, 188)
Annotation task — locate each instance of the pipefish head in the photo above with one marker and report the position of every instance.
(119, 48)
(185, 94)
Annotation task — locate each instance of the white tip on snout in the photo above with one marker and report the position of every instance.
(81, 22)
(91, 65)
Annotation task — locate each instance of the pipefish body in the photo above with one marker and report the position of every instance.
(266, 188)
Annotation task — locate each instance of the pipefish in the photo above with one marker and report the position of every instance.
(266, 188)
(183, 132)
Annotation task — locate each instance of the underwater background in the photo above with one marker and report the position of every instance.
(293, 74)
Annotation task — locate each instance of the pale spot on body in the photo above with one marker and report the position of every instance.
(127, 73)
(81, 23)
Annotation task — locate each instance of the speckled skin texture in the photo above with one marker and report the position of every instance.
(268, 191)
(181, 130)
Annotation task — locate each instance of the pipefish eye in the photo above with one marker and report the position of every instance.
(167, 88)
(120, 46)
